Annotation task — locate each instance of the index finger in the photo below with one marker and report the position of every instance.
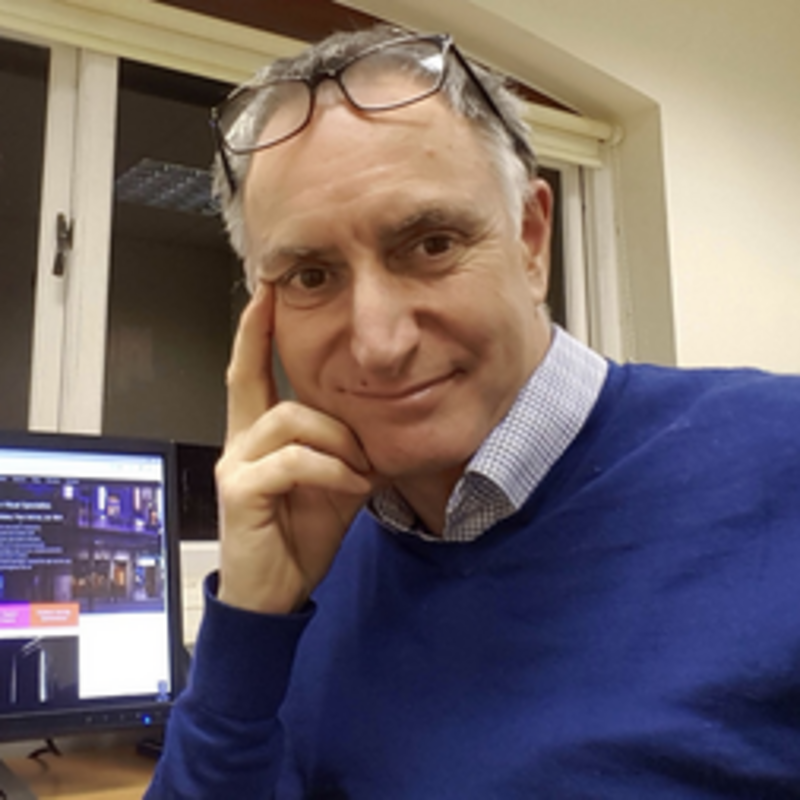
(251, 384)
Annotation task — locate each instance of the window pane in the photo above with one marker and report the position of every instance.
(23, 94)
(175, 289)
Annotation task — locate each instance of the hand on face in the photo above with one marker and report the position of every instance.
(289, 482)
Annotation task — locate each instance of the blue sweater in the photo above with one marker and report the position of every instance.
(632, 632)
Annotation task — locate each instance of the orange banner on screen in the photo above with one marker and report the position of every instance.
(54, 615)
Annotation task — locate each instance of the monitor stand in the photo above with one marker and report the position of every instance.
(12, 787)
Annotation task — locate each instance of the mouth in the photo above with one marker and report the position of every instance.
(400, 393)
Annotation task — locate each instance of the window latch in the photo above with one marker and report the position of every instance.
(63, 243)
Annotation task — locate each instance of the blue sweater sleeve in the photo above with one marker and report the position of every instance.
(224, 737)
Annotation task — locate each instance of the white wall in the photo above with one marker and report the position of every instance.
(707, 91)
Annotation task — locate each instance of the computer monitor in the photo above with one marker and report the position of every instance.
(90, 618)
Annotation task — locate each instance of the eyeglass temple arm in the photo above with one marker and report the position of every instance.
(219, 146)
(521, 145)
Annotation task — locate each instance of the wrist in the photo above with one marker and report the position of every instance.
(269, 598)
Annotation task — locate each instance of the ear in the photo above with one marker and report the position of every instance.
(537, 219)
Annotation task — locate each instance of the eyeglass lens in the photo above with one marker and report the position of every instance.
(283, 109)
(394, 76)
(380, 80)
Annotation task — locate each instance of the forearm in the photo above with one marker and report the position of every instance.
(208, 757)
(224, 738)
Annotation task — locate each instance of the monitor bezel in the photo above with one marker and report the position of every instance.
(125, 712)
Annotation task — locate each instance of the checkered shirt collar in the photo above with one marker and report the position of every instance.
(547, 415)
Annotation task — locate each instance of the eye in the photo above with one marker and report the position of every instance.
(436, 244)
(308, 278)
(307, 286)
(432, 253)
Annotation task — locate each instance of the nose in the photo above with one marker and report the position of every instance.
(384, 329)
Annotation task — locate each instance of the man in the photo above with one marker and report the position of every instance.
(472, 559)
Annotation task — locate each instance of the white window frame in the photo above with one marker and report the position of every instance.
(50, 295)
(591, 277)
(87, 275)
(68, 353)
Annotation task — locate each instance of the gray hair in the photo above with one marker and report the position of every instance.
(513, 168)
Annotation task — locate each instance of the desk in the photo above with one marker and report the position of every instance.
(112, 774)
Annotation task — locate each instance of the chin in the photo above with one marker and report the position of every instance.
(413, 458)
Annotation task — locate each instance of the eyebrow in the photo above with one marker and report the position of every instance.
(426, 219)
(390, 235)
(269, 263)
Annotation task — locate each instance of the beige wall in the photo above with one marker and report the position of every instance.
(707, 91)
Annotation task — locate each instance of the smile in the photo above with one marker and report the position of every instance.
(398, 394)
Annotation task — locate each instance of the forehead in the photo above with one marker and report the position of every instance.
(344, 156)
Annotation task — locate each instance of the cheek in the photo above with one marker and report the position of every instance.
(305, 345)
(493, 301)
(291, 348)
(502, 333)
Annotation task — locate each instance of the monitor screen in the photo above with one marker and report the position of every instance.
(89, 592)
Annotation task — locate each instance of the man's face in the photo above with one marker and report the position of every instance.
(405, 296)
